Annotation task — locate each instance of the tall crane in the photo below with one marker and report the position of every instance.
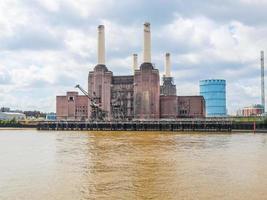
(97, 113)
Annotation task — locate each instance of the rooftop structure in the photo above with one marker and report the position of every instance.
(168, 87)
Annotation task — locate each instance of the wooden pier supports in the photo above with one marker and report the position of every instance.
(184, 125)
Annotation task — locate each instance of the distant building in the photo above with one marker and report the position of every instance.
(51, 116)
(34, 114)
(5, 109)
(254, 110)
(214, 93)
(12, 115)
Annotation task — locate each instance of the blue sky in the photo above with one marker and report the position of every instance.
(48, 46)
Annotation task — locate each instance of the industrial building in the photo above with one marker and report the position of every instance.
(214, 93)
(254, 110)
(12, 115)
(51, 116)
(132, 97)
(8, 114)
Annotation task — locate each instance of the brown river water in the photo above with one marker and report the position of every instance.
(42, 165)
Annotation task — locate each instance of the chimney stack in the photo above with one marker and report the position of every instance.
(262, 81)
(167, 65)
(101, 45)
(147, 43)
(135, 62)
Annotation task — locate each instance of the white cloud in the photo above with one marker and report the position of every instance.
(12, 14)
(90, 8)
(49, 57)
(191, 31)
(254, 2)
(122, 37)
(50, 5)
(83, 8)
(81, 43)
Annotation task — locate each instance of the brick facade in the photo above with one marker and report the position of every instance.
(130, 97)
(99, 85)
(146, 92)
(72, 107)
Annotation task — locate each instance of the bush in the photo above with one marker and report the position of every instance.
(9, 123)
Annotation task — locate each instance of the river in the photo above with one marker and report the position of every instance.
(43, 165)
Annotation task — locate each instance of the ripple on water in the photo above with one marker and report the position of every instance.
(131, 165)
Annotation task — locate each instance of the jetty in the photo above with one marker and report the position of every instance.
(207, 125)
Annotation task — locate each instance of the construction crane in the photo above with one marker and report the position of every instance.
(97, 113)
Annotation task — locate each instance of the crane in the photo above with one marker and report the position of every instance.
(97, 113)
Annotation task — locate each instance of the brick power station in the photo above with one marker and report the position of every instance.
(133, 97)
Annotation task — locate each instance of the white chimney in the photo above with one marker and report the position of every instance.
(135, 62)
(168, 65)
(101, 45)
(147, 43)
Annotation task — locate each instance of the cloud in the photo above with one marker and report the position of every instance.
(46, 47)
(31, 39)
(254, 2)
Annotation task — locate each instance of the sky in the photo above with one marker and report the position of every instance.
(49, 46)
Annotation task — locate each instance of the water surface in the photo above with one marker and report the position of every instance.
(131, 165)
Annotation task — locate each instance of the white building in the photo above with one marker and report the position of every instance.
(12, 115)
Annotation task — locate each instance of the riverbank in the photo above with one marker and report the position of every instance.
(18, 126)
(187, 125)
(15, 128)
(9, 124)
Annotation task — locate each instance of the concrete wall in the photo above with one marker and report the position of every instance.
(99, 83)
(182, 107)
(71, 107)
(81, 107)
(168, 107)
(146, 92)
(61, 107)
(191, 106)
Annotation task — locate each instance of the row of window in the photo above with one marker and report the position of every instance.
(79, 111)
(183, 112)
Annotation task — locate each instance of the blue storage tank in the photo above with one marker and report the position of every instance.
(51, 117)
(214, 93)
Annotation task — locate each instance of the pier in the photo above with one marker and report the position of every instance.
(181, 125)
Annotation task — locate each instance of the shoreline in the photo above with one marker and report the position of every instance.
(16, 128)
(175, 131)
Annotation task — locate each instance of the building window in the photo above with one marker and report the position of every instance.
(71, 99)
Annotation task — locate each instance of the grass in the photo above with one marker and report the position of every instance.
(9, 123)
